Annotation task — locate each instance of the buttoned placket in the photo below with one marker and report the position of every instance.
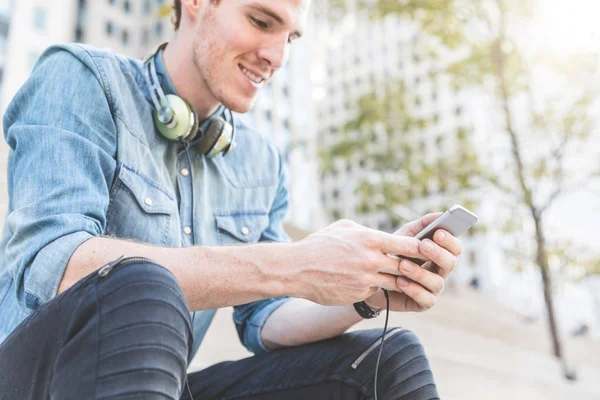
(185, 185)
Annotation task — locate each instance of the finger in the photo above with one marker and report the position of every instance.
(399, 301)
(414, 227)
(434, 283)
(423, 297)
(400, 245)
(391, 263)
(445, 260)
(448, 241)
(386, 281)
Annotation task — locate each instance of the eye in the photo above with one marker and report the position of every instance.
(259, 23)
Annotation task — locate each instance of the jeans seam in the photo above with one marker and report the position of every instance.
(416, 390)
(411, 377)
(144, 346)
(405, 348)
(175, 292)
(161, 302)
(124, 328)
(302, 383)
(173, 377)
(127, 394)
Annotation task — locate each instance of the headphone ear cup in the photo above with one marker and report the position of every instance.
(217, 137)
(186, 122)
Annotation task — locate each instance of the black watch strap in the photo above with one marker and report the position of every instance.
(365, 311)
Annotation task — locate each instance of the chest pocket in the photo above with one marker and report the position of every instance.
(241, 227)
(140, 209)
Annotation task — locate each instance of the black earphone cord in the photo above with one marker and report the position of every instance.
(387, 315)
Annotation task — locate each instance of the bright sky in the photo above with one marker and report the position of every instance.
(568, 25)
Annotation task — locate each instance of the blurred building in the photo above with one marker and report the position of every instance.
(5, 13)
(363, 56)
(133, 27)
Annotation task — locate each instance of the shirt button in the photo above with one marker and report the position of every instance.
(187, 230)
(148, 201)
(245, 231)
(185, 171)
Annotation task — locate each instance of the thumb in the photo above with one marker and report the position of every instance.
(414, 227)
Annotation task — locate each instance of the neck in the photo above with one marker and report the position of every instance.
(179, 62)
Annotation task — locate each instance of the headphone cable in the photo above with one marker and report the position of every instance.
(387, 315)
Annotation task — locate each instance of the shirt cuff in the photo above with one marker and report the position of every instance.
(47, 269)
(256, 323)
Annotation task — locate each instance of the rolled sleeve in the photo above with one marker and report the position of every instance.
(250, 319)
(62, 140)
(39, 287)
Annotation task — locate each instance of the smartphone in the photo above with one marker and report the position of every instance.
(456, 220)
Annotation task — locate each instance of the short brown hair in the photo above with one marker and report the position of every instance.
(177, 8)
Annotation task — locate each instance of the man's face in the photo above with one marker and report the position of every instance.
(240, 44)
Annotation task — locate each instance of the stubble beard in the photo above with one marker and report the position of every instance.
(208, 60)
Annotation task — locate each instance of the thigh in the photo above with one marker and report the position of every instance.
(339, 368)
(28, 354)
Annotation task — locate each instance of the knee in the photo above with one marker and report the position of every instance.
(144, 292)
(145, 328)
(406, 373)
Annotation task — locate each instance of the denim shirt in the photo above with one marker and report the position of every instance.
(85, 161)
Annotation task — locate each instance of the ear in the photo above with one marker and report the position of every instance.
(191, 8)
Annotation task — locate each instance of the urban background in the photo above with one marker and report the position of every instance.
(389, 110)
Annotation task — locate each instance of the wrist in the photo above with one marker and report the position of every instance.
(373, 307)
(274, 264)
(364, 311)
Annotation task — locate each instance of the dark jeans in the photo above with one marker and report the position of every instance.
(127, 335)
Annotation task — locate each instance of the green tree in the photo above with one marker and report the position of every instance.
(544, 130)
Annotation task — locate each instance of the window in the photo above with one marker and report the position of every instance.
(125, 37)
(109, 28)
(127, 6)
(112, 2)
(147, 7)
(39, 19)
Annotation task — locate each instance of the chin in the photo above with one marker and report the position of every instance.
(240, 106)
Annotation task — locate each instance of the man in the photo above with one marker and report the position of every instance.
(92, 180)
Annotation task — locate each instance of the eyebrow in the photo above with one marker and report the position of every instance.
(267, 11)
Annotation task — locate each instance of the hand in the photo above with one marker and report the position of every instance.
(346, 262)
(424, 283)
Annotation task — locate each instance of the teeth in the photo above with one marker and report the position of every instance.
(252, 77)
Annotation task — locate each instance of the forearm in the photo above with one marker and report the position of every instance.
(210, 277)
(300, 321)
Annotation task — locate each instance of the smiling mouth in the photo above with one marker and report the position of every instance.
(256, 79)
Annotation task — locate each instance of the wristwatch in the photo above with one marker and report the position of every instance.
(365, 311)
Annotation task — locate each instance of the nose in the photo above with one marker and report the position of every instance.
(276, 53)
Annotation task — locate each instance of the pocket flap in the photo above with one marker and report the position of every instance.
(150, 197)
(243, 227)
